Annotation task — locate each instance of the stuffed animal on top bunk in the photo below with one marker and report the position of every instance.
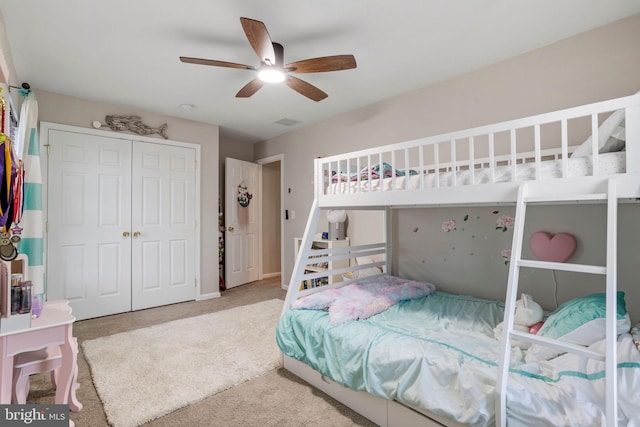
(528, 318)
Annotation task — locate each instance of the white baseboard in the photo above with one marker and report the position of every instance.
(210, 295)
(270, 275)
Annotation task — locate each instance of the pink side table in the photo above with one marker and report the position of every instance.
(53, 327)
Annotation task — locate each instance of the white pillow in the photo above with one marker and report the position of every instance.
(611, 136)
(580, 321)
(368, 271)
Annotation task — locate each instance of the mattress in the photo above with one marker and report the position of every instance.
(608, 164)
(438, 353)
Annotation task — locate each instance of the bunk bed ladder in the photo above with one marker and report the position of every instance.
(609, 271)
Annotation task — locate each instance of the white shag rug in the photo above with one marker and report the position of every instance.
(143, 374)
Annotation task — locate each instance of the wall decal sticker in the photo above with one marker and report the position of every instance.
(504, 223)
(506, 256)
(449, 225)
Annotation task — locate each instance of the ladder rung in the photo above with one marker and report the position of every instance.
(548, 265)
(559, 345)
(572, 198)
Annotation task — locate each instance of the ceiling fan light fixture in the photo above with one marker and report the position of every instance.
(272, 67)
(271, 75)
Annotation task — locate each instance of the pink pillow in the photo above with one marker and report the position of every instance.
(549, 247)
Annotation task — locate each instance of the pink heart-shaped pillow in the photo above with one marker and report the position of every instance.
(547, 247)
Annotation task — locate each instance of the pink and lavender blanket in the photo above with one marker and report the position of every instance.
(385, 171)
(363, 299)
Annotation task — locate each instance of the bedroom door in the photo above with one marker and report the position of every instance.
(121, 222)
(241, 222)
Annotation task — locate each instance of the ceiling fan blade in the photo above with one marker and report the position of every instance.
(250, 88)
(259, 39)
(322, 64)
(215, 63)
(306, 89)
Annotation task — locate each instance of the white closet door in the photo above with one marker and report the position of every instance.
(163, 224)
(89, 209)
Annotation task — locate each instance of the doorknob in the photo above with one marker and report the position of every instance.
(136, 234)
(125, 234)
(230, 228)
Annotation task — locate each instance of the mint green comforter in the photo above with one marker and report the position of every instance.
(393, 354)
(438, 353)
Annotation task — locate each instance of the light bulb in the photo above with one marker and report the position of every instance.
(271, 75)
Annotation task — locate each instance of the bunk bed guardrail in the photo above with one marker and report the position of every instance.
(492, 154)
(309, 256)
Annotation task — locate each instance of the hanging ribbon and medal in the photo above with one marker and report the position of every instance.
(11, 191)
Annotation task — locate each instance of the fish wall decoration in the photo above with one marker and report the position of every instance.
(132, 124)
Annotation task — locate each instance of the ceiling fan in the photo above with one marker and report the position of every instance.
(272, 68)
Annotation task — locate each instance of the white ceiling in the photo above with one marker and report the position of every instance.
(126, 51)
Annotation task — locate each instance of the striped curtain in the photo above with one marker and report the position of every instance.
(32, 223)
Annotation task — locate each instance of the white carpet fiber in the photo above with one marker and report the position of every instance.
(146, 373)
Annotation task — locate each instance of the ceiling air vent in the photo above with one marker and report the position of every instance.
(287, 122)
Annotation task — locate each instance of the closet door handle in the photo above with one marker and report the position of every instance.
(125, 234)
(230, 228)
(136, 234)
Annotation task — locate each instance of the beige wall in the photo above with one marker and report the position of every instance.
(596, 65)
(73, 111)
(469, 260)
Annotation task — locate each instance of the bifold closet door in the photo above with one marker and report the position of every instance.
(163, 221)
(89, 214)
(121, 221)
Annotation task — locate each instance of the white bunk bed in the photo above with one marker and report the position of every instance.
(540, 159)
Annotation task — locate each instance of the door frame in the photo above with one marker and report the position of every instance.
(263, 161)
(45, 127)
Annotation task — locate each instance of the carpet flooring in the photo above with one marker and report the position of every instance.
(143, 374)
(277, 398)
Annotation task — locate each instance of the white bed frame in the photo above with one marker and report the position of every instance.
(499, 144)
